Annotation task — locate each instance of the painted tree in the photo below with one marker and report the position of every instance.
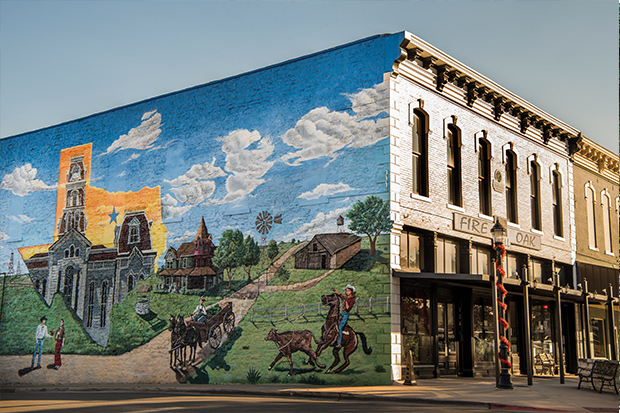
(371, 217)
(272, 250)
(251, 254)
(229, 253)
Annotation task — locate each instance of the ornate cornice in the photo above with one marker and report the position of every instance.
(476, 86)
(604, 159)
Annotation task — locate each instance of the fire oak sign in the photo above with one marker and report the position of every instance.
(482, 227)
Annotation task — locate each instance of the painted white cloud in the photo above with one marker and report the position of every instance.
(326, 190)
(370, 102)
(246, 166)
(132, 158)
(141, 137)
(195, 192)
(23, 180)
(169, 208)
(3, 236)
(196, 185)
(22, 219)
(321, 132)
(323, 223)
(189, 235)
(122, 174)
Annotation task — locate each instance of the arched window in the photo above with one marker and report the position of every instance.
(535, 195)
(90, 306)
(606, 205)
(77, 290)
(72, 251)
(558, 225)
(130, 282)
(454, 166)
(76, 173)
(419, 155)
(511, 187)
(134, 231)
(104, 303)
(44, 288)
(68, 290)
(484, 176)
(75, 199)
(591, 214)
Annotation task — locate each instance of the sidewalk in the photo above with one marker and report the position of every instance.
(547, 394)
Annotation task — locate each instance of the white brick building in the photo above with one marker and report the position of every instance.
(463, 151)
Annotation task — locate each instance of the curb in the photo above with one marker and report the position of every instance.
(280, 393)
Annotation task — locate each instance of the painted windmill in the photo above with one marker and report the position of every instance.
(264, 222)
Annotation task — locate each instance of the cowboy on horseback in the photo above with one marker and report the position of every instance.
(348, 302)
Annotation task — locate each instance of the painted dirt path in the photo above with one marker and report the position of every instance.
(148, 363)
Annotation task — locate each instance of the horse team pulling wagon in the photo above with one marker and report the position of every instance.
(194, 333)
(211, 329)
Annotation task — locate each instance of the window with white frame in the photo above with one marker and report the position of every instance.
(606, 205)
(419, 154)
(535, 195)
(558, 225)
(511, 187)
(590, 196)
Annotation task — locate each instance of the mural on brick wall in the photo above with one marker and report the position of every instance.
(200, 238)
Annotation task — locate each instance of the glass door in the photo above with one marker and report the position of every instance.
(446, 344)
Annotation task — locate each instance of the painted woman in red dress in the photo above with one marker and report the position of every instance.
(60, 342)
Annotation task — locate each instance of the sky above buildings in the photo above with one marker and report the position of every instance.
(62, 60)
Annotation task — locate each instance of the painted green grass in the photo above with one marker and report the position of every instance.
(129, 330)
(24, 306)
(22, 309)
(247, 348)
(361, 262)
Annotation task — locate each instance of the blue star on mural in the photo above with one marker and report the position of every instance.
(113, 215)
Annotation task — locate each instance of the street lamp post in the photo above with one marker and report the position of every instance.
(498, 232)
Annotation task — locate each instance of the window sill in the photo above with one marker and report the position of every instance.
(593, 249)
(483, 216)
(555, 237)
(610, 253)
(420, 197)
(537, 231)
(455, 207)
(512, 224)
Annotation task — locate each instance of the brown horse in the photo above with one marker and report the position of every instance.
(188, 337)
(330, 333)
(174, 340)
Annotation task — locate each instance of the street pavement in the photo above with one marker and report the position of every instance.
(546, 394)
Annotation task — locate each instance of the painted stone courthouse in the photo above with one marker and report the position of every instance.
(380, 167)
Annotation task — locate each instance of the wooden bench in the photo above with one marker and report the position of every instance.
(604, 370)
(546, 363)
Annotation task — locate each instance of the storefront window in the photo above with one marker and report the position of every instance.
(542, 328)
(511, 265)
(447, 256)
(416, 325)
(537, 271)
(411, 251)
(484, 336)
(598, 337)
(481, 259)
(598, 329)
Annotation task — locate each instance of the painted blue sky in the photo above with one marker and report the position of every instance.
(300, 140)
(62, 60)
